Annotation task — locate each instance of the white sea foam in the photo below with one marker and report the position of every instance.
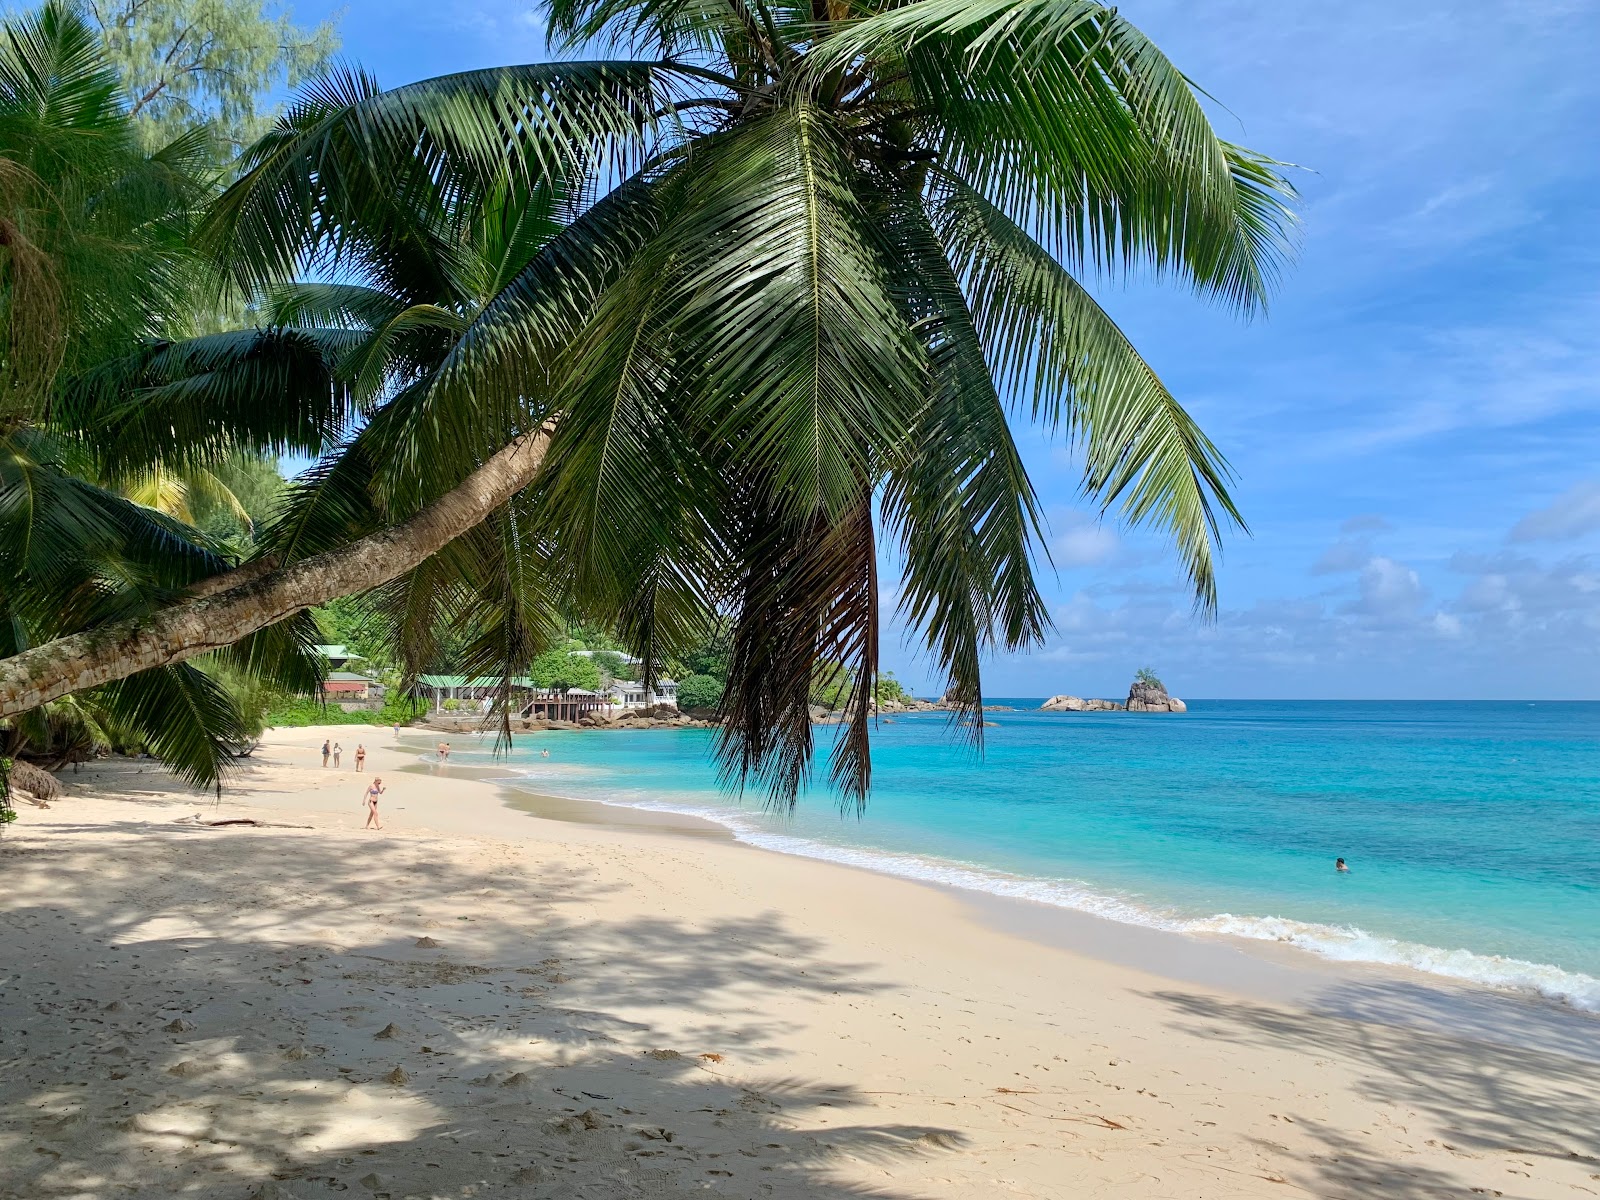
(1343, 944)
(1349, 944)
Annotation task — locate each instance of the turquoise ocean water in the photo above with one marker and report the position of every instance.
(1472, 828)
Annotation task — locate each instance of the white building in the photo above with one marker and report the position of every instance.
(631, 693)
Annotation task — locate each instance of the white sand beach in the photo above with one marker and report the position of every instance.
(479, 1002)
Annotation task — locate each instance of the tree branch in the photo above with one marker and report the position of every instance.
(227, 607)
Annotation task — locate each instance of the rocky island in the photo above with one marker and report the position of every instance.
(1146, 694)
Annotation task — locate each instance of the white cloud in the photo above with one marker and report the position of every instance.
(1084, 542)
(1571, 515)
(1388, 590)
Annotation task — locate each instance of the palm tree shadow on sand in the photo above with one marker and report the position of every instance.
(192, 1056)
(1498, 1082)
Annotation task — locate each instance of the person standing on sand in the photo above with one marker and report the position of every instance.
(374, 790)
(338, 752)
(324, 751)
(361, 756)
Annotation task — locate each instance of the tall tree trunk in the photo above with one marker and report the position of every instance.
(225, 608)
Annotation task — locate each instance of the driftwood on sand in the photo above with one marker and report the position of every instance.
(197, 819)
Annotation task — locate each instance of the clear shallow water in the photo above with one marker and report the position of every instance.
(1472, 828)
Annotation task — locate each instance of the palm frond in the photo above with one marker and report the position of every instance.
(1074, 123)
(347, 162)
(186, 718)
(959, 499)
(780, 294)
(1046, 338)
(278, 390)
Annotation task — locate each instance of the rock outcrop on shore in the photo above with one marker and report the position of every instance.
(1142, 697)
(1079, 704)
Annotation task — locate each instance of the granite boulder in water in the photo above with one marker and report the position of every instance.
(1152, 697)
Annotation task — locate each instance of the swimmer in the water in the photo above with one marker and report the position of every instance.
(1340, 866)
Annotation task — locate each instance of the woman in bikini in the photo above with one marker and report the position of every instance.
(361, 756)
(374, 790)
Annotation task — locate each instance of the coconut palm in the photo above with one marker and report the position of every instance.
(795, 269)
(95, 259)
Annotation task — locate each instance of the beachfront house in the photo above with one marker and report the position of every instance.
(338, 657)
(351, 691)
(631, 693)
(344, 687)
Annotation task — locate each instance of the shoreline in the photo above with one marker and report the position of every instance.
(481, 1001)
(1274, 943)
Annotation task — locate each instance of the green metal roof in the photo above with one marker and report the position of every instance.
(461, 681)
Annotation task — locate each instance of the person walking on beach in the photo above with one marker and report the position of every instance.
(361, 756)
(338, 752)
(374, 790)
(324, 751)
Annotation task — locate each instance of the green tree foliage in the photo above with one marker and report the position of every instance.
(710, 656)
(592, 637)
(889, 688)
(295, 712)
(612, 666)
(699, 691)
(832, 686)
(187, 63)
(1148, 675)
(562, 669)
(96, 263)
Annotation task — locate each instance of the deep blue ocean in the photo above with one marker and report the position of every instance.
(1472, 829)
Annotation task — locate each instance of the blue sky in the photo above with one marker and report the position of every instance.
(1413, 425)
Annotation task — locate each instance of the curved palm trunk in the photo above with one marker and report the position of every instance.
(223, 609)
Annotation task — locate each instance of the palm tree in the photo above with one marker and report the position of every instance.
(794, 268)
(94, 259)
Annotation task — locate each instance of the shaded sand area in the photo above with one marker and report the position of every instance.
(478, 1002)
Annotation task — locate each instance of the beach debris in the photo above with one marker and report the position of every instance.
(390, 1030)
(426, 943)
(663, 1055)
(398, 1077)
(658, 1134)
(227, 822)
(178, 1026)
(588, 1119)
